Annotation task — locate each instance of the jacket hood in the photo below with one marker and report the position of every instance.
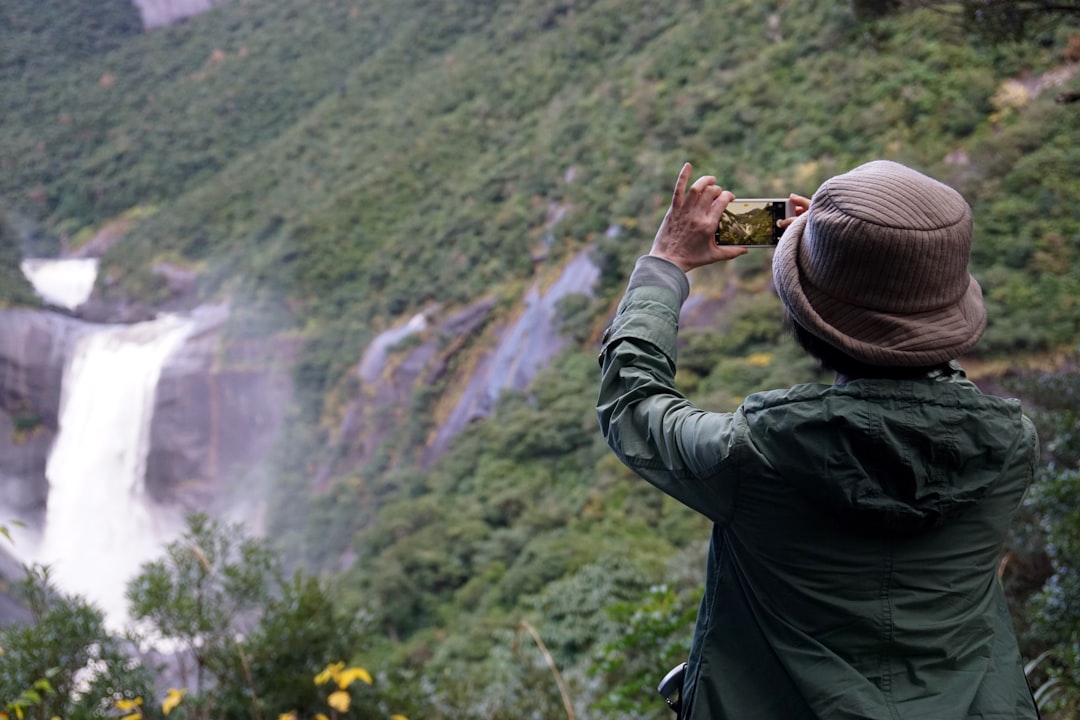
(888, 456)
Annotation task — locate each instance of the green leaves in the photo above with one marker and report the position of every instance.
(47, 34)
(197, 595)
(253, 639)
(30, 697)
(43, 661)
(656, 630)
(302, 628)
(15, 289)
(1053, 611)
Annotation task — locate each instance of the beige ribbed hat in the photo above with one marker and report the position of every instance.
(878, 268)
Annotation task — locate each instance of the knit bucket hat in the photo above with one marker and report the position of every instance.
(878, 268)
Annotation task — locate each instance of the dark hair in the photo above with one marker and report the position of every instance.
(834, 360)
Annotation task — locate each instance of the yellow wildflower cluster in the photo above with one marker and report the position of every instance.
(339, 700)
(133, 708)
(343, 677)
(172, 700)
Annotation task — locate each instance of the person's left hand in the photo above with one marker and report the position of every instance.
(687, 235)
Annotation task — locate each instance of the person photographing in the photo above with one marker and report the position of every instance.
(857, 526)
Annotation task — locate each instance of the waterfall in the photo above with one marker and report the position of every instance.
(66, 283)
(99, 525)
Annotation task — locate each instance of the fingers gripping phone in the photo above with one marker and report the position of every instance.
(753, 222)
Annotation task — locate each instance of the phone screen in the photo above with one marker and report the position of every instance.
(753, 222)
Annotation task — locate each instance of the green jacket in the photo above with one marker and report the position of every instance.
(852, 571)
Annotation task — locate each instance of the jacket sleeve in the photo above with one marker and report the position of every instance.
(682, 450)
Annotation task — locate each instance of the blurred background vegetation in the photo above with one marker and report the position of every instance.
(332, 167)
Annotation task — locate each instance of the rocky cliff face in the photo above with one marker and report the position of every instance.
(217, 414)
(34, 346)
(522, 347)
(165, 12)
(388, 381)
(471, 353)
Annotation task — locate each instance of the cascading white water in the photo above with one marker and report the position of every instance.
(99, 526)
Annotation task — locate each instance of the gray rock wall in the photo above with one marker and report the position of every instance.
(34, 347)
(509, 358)
(388, 382)
(521, 349)
(217, 414)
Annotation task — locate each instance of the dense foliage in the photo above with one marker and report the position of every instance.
(992, 20)
(42, 37)
(73, 666)
(15, 290)
(1049, 531)
(332, 167)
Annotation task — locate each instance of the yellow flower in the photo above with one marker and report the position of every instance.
(339, 700)
(125, 704)
(321, 716)
(398, 717)
(287, 716)
(330, 673)
(761, 359)
(346, 677)
(172, 700)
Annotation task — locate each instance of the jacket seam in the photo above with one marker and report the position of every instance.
(885, 667)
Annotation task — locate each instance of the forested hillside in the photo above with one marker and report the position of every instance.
(333, 167)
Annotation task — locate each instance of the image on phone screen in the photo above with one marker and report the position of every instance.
(753, 222)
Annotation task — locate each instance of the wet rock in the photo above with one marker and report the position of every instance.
(388, 381)
(523, 347)
(217, 413)
(34, 346)
(98, 310)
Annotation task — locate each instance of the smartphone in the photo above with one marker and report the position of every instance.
(753, 222)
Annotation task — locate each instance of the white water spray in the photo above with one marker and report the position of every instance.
(99, 526)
